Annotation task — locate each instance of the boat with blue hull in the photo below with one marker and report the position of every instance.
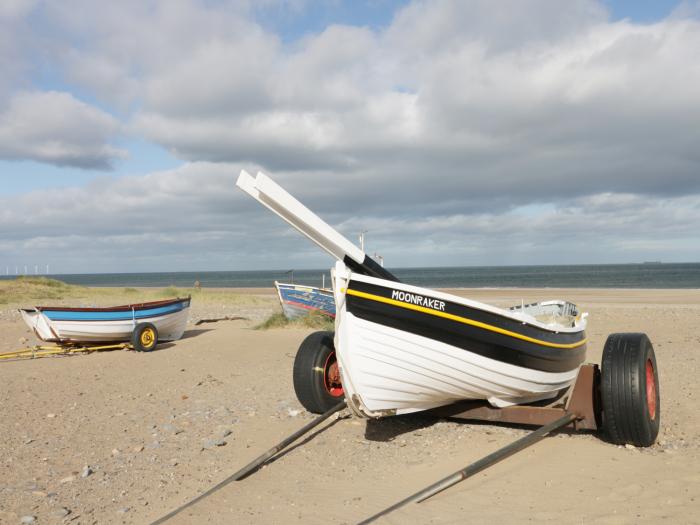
(298, 300)
(107, 324)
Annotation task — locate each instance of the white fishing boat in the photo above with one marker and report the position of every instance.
(399, 348)
(165, 320)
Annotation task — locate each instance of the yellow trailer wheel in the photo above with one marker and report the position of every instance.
(145, 337)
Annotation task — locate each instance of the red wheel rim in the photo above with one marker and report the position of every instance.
(331, 376)
(651, 390)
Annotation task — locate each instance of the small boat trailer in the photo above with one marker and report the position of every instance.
(63, 349)
(144, 338)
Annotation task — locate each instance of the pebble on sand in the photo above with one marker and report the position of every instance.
(86, 471)
(28, 519)
(211, 443)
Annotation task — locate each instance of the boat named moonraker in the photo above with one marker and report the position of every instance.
(402, 348)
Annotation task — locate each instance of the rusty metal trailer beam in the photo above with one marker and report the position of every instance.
(582, 401)
(476, 467)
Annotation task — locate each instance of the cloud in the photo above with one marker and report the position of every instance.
(470, 131)
(504, 100)
(501, 100)
(58, 129)
(13, 9)
(195, 217)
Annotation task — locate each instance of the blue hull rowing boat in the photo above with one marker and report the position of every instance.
(298, 300)
(111, 324)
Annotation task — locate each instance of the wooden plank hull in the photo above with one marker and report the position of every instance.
(114, 324)
(298, 301)
(398, 356)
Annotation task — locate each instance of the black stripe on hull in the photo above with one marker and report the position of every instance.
(481, 341)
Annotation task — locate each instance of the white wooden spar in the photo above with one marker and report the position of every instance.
(275, 198)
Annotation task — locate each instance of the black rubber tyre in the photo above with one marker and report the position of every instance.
(630, 390)
(144, 338)
(316, 375)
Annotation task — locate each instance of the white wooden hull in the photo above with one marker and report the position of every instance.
(170, 327)
(388, 371)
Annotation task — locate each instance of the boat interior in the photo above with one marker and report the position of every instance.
(561, 313)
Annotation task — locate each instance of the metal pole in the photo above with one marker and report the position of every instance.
(362, 239)
(250, 467)
(478, 466)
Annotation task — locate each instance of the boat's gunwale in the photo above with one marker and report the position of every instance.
(121, 308)
(329, 290)
(434, 294)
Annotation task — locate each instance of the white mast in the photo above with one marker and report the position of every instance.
(362, 239)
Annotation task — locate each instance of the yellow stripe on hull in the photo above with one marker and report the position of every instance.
(462, 320)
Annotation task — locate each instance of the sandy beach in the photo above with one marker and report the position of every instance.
(157, 429)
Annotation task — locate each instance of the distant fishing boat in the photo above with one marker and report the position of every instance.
(144, 324)
(298, 300)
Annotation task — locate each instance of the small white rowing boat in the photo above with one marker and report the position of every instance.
(112, 324)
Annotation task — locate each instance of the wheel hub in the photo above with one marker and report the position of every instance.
(331, 375)
(147, 337)
(651, 389)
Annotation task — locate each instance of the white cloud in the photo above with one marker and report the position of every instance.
(12, 9)
(56, 128)
(195, 217)
(495, 97)
(531, 123)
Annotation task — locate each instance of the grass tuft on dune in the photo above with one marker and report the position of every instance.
(42, 291)
(313, 320)
(32, 288)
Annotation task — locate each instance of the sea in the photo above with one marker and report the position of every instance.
(646, 275)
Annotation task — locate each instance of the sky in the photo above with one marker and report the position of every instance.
(456, 132)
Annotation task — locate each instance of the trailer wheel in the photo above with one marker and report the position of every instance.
(316, 374)
(630, 390)
(144, 338)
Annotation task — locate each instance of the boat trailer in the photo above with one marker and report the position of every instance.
(58, 350)
(579, 407)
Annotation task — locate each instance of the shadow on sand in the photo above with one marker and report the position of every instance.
(389, 428)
